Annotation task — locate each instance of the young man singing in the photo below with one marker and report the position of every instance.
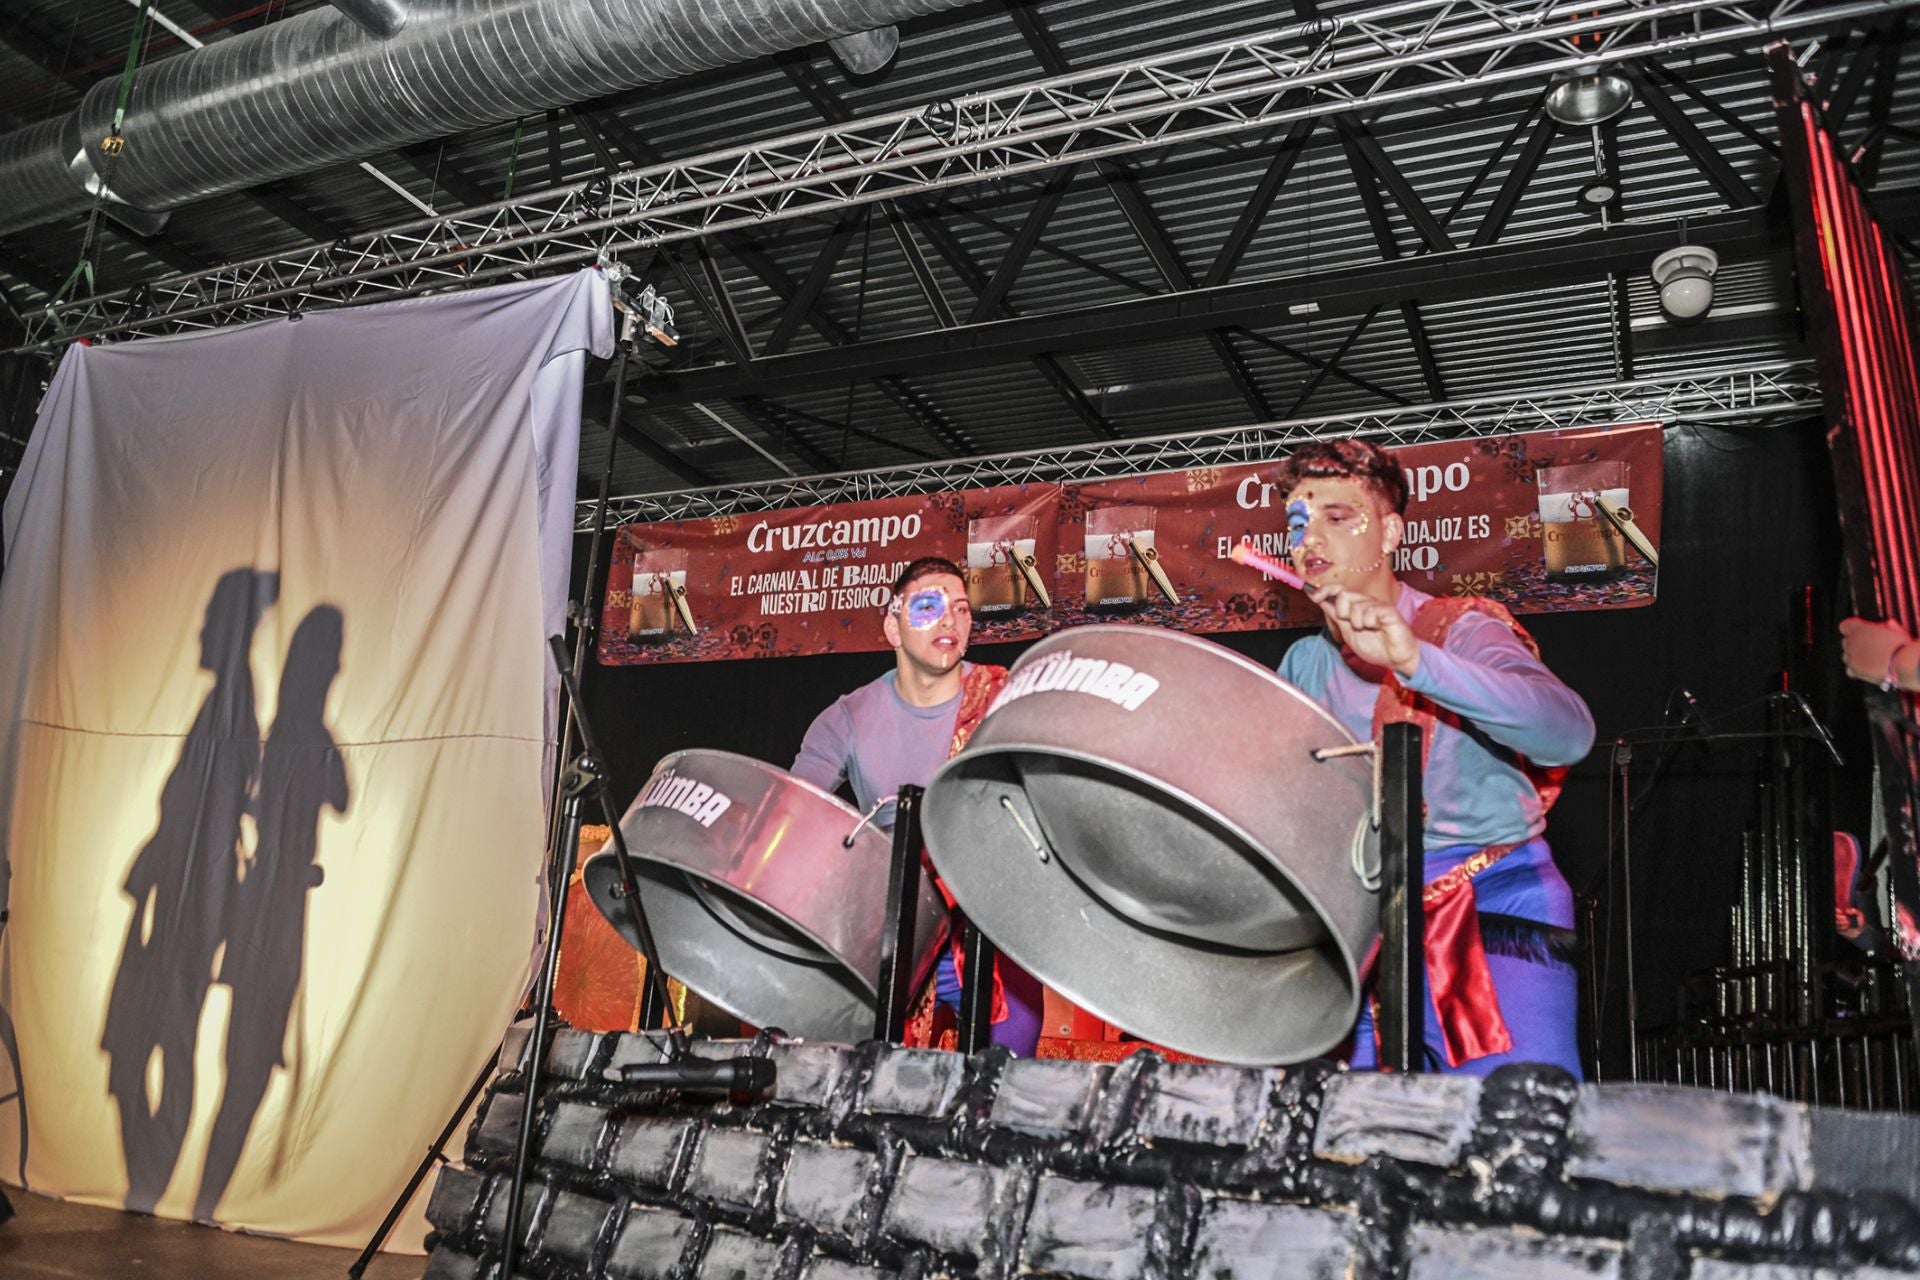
(1499, 731)
(900, 728)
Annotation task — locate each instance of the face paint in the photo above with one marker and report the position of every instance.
(925, 608)
(1363, 523)
(1297, 517)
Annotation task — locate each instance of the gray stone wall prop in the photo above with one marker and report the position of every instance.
(874, 1162)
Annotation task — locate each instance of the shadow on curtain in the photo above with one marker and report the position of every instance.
(195, 890)
(301, 773)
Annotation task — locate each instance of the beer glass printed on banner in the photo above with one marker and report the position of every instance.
(1579, 542)
(659, 595)
(1117, 540)
(999, 561)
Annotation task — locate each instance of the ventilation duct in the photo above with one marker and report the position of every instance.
(381, 19)
(314, 90)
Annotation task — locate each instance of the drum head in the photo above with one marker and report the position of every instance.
(1098, 819)
(765, 894)
(751, 961)
(1140, 822)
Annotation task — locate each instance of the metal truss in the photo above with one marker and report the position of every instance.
(1416, 49)
(1753, 394)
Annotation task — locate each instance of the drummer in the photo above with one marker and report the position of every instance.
(898, 729)
(1500, 730)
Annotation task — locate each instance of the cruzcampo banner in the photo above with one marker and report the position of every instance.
(1545, 522)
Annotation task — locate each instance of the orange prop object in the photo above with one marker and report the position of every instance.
(598, 985)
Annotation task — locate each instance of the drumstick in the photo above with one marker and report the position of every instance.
(1246, 555)
(1622, 519)
(680, 606)
(1031, 572)
(1151, 559)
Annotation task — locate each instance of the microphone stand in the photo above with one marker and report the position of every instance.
(581, 774)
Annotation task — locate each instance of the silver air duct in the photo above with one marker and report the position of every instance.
(381, 19)
(313, 90)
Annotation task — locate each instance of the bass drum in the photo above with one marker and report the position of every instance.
(1141, 823)
(757, 899)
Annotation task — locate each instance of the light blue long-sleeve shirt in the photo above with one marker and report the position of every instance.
(877, 742)
(1507, 702)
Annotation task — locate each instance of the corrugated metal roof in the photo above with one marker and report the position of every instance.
(1455, 152)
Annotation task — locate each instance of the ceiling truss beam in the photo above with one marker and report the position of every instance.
(1518, 266)
(1414, 50)
(1749, 394)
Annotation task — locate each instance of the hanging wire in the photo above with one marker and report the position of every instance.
(110, 146)
(859, 318)
(513, 157)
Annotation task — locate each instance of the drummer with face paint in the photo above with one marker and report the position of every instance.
(898, 729)
(1500, 731)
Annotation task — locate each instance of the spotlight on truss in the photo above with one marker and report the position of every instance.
(654, 312)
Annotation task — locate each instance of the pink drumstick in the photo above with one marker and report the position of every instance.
(1246, 555)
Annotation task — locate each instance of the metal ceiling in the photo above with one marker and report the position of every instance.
(1414, 240)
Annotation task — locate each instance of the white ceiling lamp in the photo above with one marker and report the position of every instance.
(1593, 95)
(1684, 277)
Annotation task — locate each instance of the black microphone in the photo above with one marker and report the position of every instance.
(706, 1075)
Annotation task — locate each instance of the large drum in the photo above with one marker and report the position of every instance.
(756, 898)
(1141, 822)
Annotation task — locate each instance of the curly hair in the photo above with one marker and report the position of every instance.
(925, 567)
(1359, 460)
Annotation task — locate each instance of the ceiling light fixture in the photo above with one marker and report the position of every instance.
(1595, 194)
(653, 312)
(1684, 276)
(1600, 192)
(1588, 97)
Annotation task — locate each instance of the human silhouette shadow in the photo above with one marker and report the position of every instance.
(301, 772)
(181, 883)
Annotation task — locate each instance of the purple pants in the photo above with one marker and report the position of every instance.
(1026, 1001)
(1526, 918)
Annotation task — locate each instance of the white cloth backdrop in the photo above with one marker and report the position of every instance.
(271, 741)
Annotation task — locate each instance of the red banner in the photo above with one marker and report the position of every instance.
(1544, 522)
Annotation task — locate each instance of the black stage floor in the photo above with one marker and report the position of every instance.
(50, 1239)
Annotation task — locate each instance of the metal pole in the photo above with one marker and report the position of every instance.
(895, 985)
(560, 868)
(587, 619)
(1401, 1017)
(976, 992)
(1622, 764)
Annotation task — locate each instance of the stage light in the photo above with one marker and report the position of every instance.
(1684, 276)
(1596, 194)
(654, 312)
(1588, 97)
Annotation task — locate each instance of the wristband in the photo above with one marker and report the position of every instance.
(1891, 680)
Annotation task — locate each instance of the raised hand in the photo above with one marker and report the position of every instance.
(1372, 629)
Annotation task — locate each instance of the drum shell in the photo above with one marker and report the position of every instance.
(1219, 753)
(777, 848)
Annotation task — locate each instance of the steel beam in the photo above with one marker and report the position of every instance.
(1315, 362)
(1586, 255)
(1413, 50)
(1748, 394)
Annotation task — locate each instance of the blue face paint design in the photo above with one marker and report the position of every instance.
(1296, 523)
(924, 608)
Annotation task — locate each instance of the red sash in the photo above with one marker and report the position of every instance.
(1457, 974)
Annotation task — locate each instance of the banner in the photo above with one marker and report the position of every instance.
(1520, 519)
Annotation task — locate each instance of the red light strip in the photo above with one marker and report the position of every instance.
(1880, 377)
(1831, 255)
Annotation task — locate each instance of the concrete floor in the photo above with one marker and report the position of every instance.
(50, 1238)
